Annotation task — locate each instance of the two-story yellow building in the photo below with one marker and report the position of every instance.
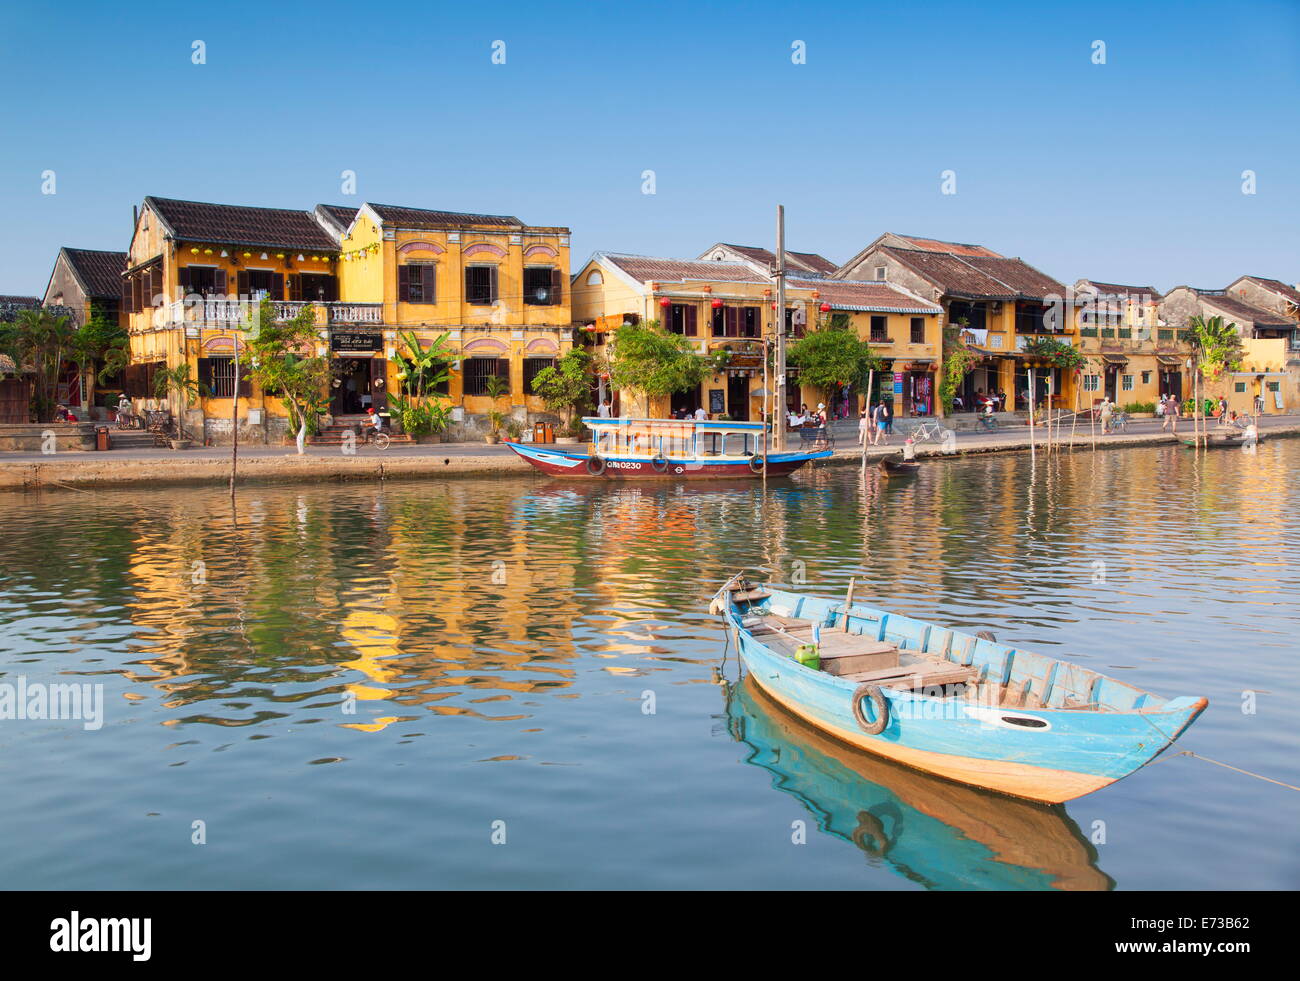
(492, 284)
(1001, 303)
(727, 309)
(1133, 355)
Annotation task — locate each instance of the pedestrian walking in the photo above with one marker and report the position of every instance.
(864, 426)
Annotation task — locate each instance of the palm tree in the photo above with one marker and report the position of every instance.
(180, 382)
(42, 342)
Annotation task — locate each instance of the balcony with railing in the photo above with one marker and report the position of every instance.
(227, 312)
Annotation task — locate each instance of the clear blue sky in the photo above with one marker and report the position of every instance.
(1128, 171)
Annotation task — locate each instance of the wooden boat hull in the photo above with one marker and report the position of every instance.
(1051, 754)
(929, 830)
(1221, 440)
(574, 463)
(894, 468)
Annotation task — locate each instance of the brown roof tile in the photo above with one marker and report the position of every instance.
(1240, 309)
(231, 224)
(644, 268)
(425, 218)
(1022, 278)
(848, 294)
(1117, 289)
(810, 263)
(952, 274)
(953, 248)
(99, 272)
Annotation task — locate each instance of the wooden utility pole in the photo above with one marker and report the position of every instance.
(234, 420)
(778, 326)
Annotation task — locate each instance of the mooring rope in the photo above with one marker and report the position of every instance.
(1229, 766)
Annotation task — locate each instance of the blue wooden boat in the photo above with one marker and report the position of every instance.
(672, 449)
(954, 704)
(928, 830)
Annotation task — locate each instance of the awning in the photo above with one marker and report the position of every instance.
(1169, 360)
(1114, 359)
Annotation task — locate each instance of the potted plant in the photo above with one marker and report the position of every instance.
(419, 410)
(495, 387)
(496, 419)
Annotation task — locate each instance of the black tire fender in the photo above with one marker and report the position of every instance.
(595, 465)
(880, 703)
(659, 465)
(756, 463)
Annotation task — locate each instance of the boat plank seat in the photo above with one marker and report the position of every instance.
(917, 674)
(842, 654)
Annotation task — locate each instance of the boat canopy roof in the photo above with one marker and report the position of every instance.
(675, 426)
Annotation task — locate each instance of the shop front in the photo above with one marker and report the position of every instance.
(357, 372)
(918, 387)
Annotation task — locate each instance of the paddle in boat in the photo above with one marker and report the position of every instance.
(684, 449)
(958, 705)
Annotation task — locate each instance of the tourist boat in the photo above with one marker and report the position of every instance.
(670, 448)
(896, 466)
(958, 705)
(929, 830)
(1219, 440)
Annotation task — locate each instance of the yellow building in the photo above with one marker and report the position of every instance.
(492, 284)
(728, 306)
(1133, 355)
(1270, 368)
(1002, 303)
(495, 286)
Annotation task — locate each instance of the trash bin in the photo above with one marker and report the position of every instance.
(543, 433)
(102, 439)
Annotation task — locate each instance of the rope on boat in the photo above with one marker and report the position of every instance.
(1229, 766)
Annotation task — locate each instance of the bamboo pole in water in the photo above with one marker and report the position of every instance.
(1031, 414)
(234, 421)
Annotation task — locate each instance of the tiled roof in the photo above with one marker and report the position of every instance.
(1022, 278)
(1289, 293)
(424, 218)
(25, 302)
(341, 213)
(1241, 310)
(951, 274)
(814, 262)
(953, 248)
(799, 262)
(644, 268)
(982, 277)
(1116, 289)
(231, 224)
(847, 294)
(99, 272)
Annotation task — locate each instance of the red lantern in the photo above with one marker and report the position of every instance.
(717, 304)
(825, 308)
(665, 302)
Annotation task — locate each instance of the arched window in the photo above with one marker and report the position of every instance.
(594, 278)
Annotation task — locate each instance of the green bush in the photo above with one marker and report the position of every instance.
(1134, 407)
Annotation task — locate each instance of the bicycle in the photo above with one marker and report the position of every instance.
(926, 432)
(987, 423)
(1118, 422)
(377, 437)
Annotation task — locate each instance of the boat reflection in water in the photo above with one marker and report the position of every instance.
(940, 834)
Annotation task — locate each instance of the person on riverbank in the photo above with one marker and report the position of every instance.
(1107, 413)
(864, 425)
(821, 415)
(1171, 416)
(887, 417)
(603, 410)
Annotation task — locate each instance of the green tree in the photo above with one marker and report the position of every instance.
(565, 387)
(180, 388)
(649, 361)
(420, 370)
(829, 357)
(1216, 346)
(958, 360)
(41, 343)
(284, 361)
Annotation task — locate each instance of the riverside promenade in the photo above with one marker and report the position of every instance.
(25, 471)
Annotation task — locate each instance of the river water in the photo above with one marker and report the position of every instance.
(516, 682)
